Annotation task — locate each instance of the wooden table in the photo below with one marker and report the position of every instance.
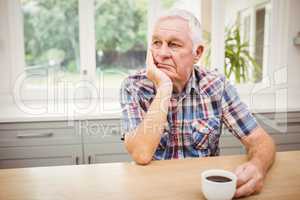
(174, 179)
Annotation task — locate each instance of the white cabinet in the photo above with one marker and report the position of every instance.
(97, 141)
(284, 128)
(39, 144)
(34, 156)
(102, 141)
(102, 153)
(34, 144)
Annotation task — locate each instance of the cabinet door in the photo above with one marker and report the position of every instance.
(105, 153)
(102, 141)
(283, 127)
(36, 156)
(36, 144)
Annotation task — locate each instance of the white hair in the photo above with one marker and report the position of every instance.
(193, 23)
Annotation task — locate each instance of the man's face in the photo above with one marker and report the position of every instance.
(172, 50)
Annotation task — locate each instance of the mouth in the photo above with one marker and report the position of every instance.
(165, 66)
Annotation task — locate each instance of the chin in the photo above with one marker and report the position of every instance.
(168, 73)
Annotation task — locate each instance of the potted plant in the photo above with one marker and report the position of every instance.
(238, 61)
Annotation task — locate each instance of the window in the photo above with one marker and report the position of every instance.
(121, 44)
(247, 28)
(51, 41)
(94, 42)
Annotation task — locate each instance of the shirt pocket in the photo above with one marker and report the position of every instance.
(204, 132)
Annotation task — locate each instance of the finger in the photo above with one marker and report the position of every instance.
(239, 170)
(240, 174)
(246, 189)
(244, 177)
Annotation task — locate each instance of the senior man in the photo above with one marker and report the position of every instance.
(175, 109)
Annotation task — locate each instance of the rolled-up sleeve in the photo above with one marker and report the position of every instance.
(132, 112)
(235, 114)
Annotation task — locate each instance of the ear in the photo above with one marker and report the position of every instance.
(198, 53)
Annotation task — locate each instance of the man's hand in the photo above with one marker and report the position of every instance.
(249, 179)
(261, 154)
(159, 78)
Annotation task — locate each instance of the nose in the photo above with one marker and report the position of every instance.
(164, 52)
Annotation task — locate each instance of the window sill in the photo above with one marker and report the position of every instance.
(58, 111)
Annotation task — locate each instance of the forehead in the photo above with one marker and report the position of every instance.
(171, 26)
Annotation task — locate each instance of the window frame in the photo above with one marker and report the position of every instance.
(87, 48)
(87, 63)
(251, 12)
(279, 11)
(87, 42)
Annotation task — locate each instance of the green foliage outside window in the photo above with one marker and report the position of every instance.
(51, 30)
(238, 60)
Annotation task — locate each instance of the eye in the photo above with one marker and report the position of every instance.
(174, 45)
(156, 43)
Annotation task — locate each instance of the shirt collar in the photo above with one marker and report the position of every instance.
(192, 86)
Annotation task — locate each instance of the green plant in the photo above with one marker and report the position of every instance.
(237, 58)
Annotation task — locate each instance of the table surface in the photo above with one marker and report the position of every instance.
(171, 179)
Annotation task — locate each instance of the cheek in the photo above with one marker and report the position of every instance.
(184, 59)
(184, 62)
(184, 70)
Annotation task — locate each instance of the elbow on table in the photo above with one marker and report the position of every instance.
(142, 158)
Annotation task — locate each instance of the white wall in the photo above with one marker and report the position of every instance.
(293, 56)
(4, 50)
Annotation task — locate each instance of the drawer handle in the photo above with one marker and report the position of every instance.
(288, 123)
(89, 159)
(114, 132)
(38, 135)
(77, 160)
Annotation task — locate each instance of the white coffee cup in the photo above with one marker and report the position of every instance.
(214, 190)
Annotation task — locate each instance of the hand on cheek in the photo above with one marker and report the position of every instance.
(159, 78)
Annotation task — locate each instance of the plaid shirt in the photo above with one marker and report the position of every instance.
(195, 116)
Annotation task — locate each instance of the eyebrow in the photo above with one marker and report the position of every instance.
(169, 39)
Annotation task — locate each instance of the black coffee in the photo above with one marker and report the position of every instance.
(220, 179)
